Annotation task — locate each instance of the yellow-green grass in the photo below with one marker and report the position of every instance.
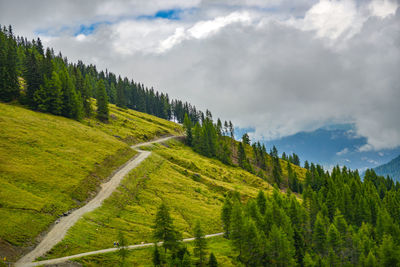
(48, 164)
(192, 186)
(220, 246)
(267, 174)
(134, 127)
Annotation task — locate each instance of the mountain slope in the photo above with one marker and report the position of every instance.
(191, 185)
(50, 164)
(391, 168)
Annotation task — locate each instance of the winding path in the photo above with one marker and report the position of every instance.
(57, 233)
(102, 251)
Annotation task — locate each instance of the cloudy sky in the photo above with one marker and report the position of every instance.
(277, 66)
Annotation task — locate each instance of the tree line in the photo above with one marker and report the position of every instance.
(216, 140)
(47, 82)
(341, 221)
(175, 253)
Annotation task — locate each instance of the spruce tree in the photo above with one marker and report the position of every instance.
(9, 85)
(389, 252)
(236, 227)
(226, 215)
(157, 261)
(186, 260)
(200, 244)
(122, 251)
(164, 229)
(33, 78)
(121, 102)
(102, 102)
(280, 250)
(261, 202)
(370, 261)
(212, 262)
(319, 234)
(187, 124)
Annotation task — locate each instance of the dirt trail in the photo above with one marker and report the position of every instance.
(107, 250)
(57, 233)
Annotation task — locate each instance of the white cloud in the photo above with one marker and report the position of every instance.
(333, 19)
(382, 8)
(277, 66)
(343, 151)
(80, 37)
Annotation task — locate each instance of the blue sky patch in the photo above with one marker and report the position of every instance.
(90, 28)
(171, 14)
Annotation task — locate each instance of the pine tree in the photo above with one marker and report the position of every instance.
(226, 215)
(236, 227)
(280, 249)
(261, 202)
(200, 244)
(49, 97)
(33, 79)
(242, 158)
(371, 261)
(102, 102)
(212, 262)
(120, 94)
(246, 139)
(187, 125)
(333, 239)
(389, 252)
(187, 261)
(9, 85)
(122, 251)
(253, 248)
(164, 229)
(197, 137)
(319, 234)
(157, 261)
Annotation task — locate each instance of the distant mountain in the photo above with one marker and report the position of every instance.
(329, 146)
(391, 168)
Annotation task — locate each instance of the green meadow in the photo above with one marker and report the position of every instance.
(220, 246)
(51, 164)
(191, 185)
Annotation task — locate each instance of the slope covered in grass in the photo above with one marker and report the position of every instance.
(134, 127)
(50, 164)
(191, 185)
(220, 246)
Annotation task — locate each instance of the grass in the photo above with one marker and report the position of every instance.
(191, 185)
(143, 257)
(50, 164)
(134, 127)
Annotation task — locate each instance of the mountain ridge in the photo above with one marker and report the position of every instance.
(391, 169)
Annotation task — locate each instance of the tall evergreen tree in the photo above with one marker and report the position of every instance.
(102, 102)
(187, 124)
(164, 229)
(200, 244)
(226, 215)
(212, 262)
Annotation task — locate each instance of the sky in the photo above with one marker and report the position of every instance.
(279, 67)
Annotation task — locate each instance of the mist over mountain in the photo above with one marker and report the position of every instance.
(391, 169)
(330, 146)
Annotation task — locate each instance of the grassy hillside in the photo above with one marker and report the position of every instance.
(220, 246)
(134, 127)
(50, 164)
(192, 186)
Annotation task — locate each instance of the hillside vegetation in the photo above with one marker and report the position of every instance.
(193, 186)
(50, 164)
